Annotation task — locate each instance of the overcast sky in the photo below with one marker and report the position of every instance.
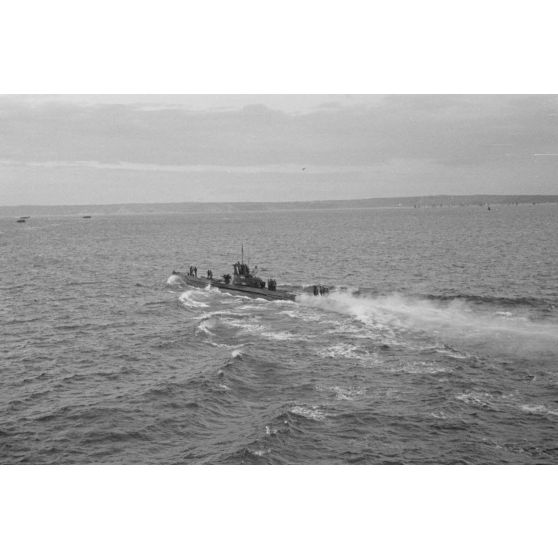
(132, 148)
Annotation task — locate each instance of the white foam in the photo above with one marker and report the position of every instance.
(421, 367)
(342, 393)
(475, 398)
(452, 321)
(312, 412)
(206, 325)
(539, 410)
(258, 329)
(348, 351)
(249, 326)
(252, 306)
(188, 299)
(260, 452)
(175, 281)
(279, 335)
(289, 313)
(452, 353)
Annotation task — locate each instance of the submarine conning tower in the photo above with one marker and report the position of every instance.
(242, 276)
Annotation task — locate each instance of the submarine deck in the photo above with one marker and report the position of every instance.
(202, 282)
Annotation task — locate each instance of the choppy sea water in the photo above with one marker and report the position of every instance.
(437, 344)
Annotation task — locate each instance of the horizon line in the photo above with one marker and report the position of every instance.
(291, 202)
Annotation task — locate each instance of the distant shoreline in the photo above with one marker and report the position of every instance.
(234, 207)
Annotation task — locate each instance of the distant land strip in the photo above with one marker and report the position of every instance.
(232, 207)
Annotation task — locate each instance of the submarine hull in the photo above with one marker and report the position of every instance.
(254, 292)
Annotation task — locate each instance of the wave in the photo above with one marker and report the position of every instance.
(476, 399)
(206, 325)
(250, 326)
(348, 351)
(342, 393)
(507, 402)
(175, 281)
(279, 335)
(188, 300)
(236, 353)
(312, 412)
(539, 410)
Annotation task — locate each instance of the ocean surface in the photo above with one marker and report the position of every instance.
(438, 342)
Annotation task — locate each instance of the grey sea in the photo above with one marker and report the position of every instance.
(438, 342)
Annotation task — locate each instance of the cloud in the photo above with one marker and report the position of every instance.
(185, 169)
(455, 130)
(379, 144)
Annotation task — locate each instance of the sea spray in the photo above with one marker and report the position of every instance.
(175, 281)
(452, 321)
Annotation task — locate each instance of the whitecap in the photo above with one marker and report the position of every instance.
(312, 412)
(421, 367)
(475, 398)
(342, 393)
(279, 335)
(439, 415)
(205, 326)
(258, 329)
(452, 353)
(539, 410)
(348, 351)
(243, 325)
(174, 281)
(260, 452)
(290, 313)
(187, 298)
